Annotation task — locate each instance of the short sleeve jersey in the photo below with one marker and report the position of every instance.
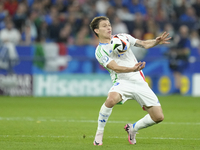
(104, 54)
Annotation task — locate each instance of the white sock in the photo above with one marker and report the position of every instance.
(103, 117)
(145, 122)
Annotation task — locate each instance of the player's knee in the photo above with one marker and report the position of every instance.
(159, 118)
(110, 102)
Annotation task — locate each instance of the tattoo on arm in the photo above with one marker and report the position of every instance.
(138, 45)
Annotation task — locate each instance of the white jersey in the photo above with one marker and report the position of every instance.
(104, 54)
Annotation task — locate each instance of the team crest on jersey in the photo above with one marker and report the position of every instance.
(104, 59)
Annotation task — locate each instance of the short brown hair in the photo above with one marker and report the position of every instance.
(95, 23)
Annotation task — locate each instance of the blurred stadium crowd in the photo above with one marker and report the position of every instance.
(68, 21)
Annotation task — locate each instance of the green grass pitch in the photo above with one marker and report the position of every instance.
(70, 123)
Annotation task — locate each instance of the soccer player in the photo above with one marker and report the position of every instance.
(128, 79)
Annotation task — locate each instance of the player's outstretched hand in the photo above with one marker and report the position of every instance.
(139, 66)
(163, 39)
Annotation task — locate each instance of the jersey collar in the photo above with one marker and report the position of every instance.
(102, 43)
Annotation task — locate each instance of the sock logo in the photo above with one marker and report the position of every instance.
(102, 120)
(104, 115)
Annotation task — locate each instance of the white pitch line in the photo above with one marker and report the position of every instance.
(110, 137)
(87, 121)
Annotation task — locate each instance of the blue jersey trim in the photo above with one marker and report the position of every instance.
(102, 43)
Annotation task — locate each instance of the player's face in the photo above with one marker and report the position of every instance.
(105, 29)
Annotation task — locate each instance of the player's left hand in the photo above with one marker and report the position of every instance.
(163, 39)
(139, 66)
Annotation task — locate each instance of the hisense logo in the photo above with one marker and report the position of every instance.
(71, 85)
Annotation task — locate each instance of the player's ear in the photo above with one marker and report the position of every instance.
(96, 31)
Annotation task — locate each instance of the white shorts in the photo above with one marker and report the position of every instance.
(138, 90)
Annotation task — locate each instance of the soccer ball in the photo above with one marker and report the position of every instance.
(120, 43)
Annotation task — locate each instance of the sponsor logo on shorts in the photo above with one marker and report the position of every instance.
(117, 83)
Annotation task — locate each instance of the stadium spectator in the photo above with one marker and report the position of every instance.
(119, 26)
(134, 13)
(136, 6)
(89, 8)
(3, 12)
(83, 37)
(54, 29)
(65, 35)
(152, 29)
(168, 27)
(196, 6)
(102, 6)
(11, 6)
(189, 16)
(124, 14)
(61, 6)
(43, 36)
(138, 22)
(31, 22)
(178, 56)
(111, 13)
(9, 37)
(116, 3)
(161, 16)
(74, 22)
(194, 38)
(20, 16)
(46, 5)
(37, 7)
(180, 8)
(139, 52)
(168, 8)
(150, 13)
(48, 18)
(10, 34)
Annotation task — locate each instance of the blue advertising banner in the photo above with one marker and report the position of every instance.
(77, 64)
(22, 64)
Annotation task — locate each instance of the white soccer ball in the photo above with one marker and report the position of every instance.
(120, 43)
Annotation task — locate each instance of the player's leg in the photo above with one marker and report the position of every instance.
(155, 115)
(105, 111)
(147, 99)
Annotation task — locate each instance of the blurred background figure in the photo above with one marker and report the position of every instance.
(138, 51)
(11, 6)
(65, 35)
(102, 6)
(194, 38)
(3, 15)
(136, 6)
(9, 38)
(178, 56)
(20, 16)
(83, 37)
(119, 26)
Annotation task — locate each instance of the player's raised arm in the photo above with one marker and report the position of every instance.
(121, 69)
(163, 39)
